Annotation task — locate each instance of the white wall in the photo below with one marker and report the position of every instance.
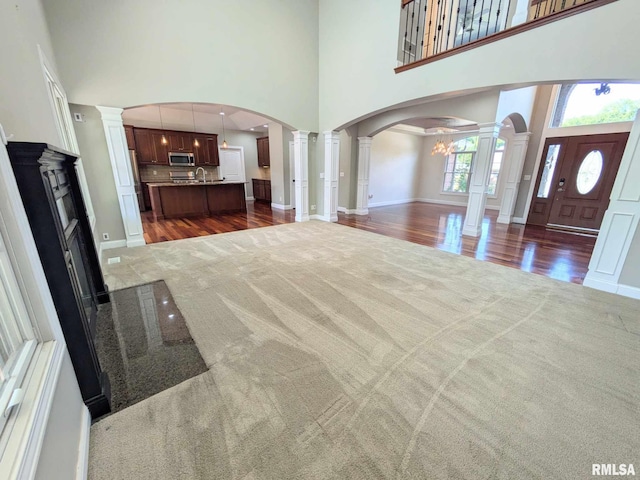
(25, 111)
(358, 45)
(260, 55)
(395, 168)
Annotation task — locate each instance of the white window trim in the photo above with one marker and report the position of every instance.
(444, 173)
(24, 433)
(52, 81)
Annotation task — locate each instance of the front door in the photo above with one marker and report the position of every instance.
(575, 181)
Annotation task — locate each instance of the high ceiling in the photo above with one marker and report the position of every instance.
(194, 117)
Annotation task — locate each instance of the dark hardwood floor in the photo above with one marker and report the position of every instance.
(558, 255)
(258, 214)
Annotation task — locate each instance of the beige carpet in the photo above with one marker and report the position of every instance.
(335, 353)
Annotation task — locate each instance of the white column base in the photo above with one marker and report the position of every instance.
(362, 211)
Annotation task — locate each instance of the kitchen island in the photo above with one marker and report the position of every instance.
(195, 199)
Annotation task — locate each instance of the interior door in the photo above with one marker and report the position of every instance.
(576, 179)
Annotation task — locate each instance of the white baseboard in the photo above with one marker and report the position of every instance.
(393, 202)
(136, 243)
(320, 217)
(629, 291)
(250, 199)
(347, 211)
(362, 211)
(82, 470)
(624, 290)
(519, 220)
(279, 206)
(108, 245)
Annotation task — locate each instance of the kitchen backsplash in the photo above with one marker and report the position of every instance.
(162, 172)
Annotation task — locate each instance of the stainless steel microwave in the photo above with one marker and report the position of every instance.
(181, 159)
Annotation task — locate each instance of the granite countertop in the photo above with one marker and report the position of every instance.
(193, 184)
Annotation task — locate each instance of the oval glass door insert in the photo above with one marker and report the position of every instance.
(589, 172)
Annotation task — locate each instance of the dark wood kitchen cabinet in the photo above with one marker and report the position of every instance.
(261, 189)
(50, 191)
(263, 152)
(206, 152)
(180, 142)
(150, 150)
(131, 141)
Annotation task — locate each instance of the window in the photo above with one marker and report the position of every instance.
(17, 340)
(595, 104)
(458, 165)
(495, 166)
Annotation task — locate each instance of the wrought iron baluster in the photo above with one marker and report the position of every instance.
(480, 20)
(427, 53)
(537, 14)
(406, 31)
(449, 25)
(486, 32)
(421, 25)
(413, 18)
(439, 20)
(473, 14)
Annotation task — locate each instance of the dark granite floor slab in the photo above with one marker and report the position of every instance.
(143, 344)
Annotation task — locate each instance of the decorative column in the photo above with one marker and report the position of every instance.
(301, 164)
(364, 160)
(619, 225)
(331, 166)
(479, 180)
(512, 165)
(122, 174)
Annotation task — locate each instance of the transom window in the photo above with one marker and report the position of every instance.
(595, 104)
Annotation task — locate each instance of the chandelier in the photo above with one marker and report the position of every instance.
(443, 148)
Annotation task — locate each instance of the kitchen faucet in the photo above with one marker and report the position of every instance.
(204, 174)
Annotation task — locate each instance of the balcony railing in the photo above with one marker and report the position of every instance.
(433, 29)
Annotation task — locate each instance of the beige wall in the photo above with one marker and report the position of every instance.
(630, 273)
(26, 113)
(358, 47)
(261, 55)
(25, 110)
(97, 169)
(395, 168)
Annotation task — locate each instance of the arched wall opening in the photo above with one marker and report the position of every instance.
(112, 177)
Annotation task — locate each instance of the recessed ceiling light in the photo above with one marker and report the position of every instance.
(252, 129)
(221, 113)
(265, 126)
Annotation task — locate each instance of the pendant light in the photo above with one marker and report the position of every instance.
(196, 143)
(163, 140)
(224, 136)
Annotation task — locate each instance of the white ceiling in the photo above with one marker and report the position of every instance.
(194, 117)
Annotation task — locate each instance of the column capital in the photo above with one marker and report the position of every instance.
(301, 133)
(521, 136)
(110, 113)
(489, 129)
(331, 134)
(365, 140)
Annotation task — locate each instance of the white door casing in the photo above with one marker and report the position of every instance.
(122, 175)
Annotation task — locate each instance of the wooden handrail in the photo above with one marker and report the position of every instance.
(524, 27)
